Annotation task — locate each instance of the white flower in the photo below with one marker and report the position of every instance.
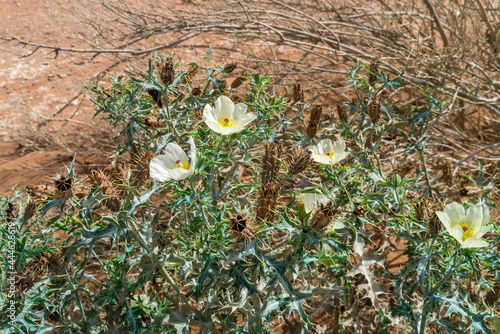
(173, 164)
(327, 152)
(466, 228)
(311, 204)
(226, 118)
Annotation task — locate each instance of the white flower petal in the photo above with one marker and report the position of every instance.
(455, 212)
(336, 157)
(457, 233)
(338, 146)
(192, 163)
(179, 173)
(158, 169)
(208, 112)
(486, 215)
(474, 242)
(224, 107)
(176, 152)
(324, 146)
(483, 230)
(321, 158)
(239, 110)
(244, 120)
(443, 217)
(474, 217)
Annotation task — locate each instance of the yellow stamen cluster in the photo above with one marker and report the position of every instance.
(468, 232)
(182, 164)
(329, 154)
(227, 122)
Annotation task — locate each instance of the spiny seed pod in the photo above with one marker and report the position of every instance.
(298, 93)
(323, 216)
(434, 226)
(299, 160)
(166, 71)
(312, 126)
(419, 211)
(238, 224)
(52, 261)
(342, 112)
(492, 298)
(470, 191)
(150, 121)
(193, 70)
(359, 210)
(29, 275)
(229, 68)
(29, 211)
(402, 169)
(179, 94)
(196, 91)
(222, 85)
(425, 210)
(189, 76)
(159, 100)
(447, 174)
(99, 178)
(270, 163)
(237, 82)
(372, 77)
(139, 167)
(266, 204)
(63, 184)
(11, 213)
(374, 111)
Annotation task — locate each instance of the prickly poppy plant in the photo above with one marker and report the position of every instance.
(239, 210)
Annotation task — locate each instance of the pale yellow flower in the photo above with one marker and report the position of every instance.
(467, 228)
(173, 164)
(329, 153)
(226, 118)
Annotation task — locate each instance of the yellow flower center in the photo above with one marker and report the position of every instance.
(329, 154)
(468, 232)
(227, 122)
(182, 164)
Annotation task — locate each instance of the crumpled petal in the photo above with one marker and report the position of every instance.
(312, 201)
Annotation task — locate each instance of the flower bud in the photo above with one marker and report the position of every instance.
(342, 112)
(312, 126)
(229, 68)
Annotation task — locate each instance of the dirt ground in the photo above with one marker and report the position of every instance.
(39, 86)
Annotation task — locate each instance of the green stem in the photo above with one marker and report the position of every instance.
(426, 172)
(429, 293)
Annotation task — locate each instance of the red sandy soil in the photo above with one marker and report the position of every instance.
(38, 86)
